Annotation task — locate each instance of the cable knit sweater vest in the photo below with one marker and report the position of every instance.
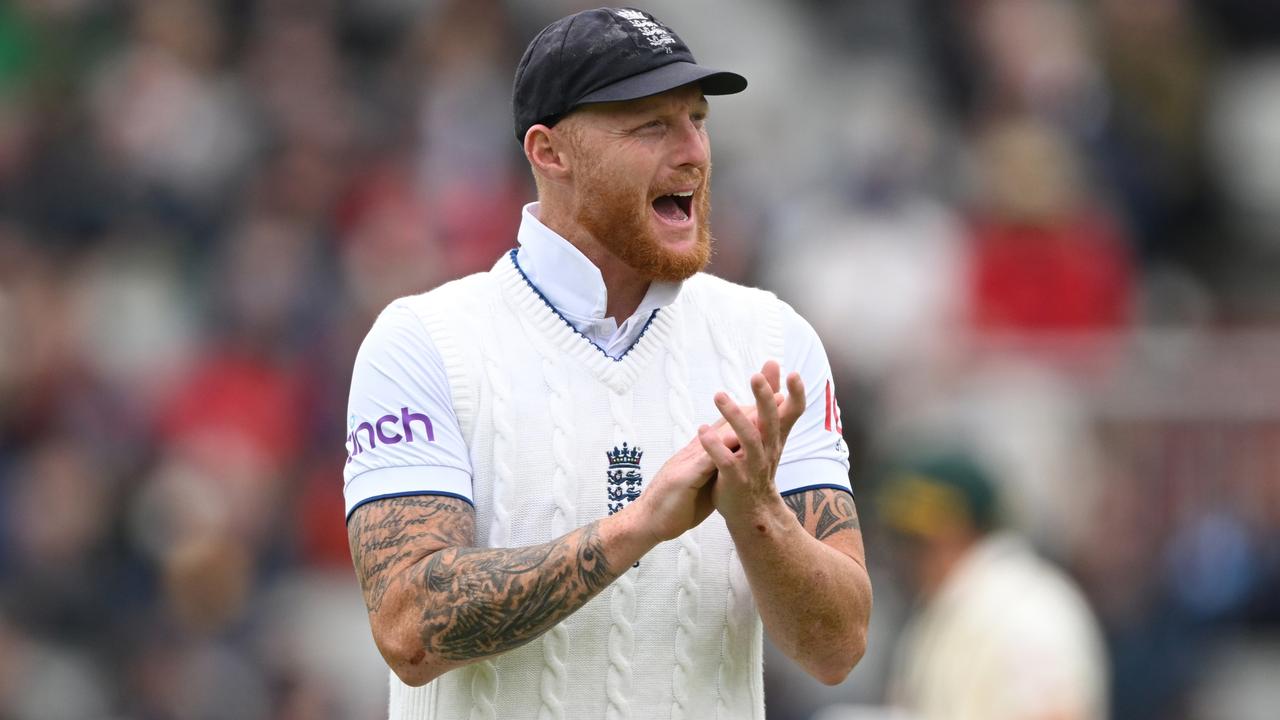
(546, 414)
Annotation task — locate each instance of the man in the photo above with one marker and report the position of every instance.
(555, 506)
(1002, 634)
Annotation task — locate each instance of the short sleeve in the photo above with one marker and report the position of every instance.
(816, 455)
(403, 437)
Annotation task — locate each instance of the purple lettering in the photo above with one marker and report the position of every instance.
(407, 417)
(356, 449)
(356, 434)
(392, 438)
(379, 432)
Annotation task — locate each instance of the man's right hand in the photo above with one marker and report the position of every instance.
(679, 496)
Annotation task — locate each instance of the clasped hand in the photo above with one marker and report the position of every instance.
(747, 459)
(730, 465)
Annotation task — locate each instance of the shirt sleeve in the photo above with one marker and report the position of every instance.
(403, 437)
(815, 455)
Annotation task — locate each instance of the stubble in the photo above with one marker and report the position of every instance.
(616, 213)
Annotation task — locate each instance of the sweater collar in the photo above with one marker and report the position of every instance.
(570, 281)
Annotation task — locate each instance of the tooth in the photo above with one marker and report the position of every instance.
(684, 194)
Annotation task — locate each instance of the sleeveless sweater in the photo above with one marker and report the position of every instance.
(559, 435)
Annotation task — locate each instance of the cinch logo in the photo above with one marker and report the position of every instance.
(388, 430)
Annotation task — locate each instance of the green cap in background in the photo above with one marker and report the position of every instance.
(928, 495)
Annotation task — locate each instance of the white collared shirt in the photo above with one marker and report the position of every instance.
(399, 366)
(574, 287)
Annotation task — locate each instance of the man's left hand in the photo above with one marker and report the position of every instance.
(744, 489)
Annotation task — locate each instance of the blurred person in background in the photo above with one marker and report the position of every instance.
(1047, 259)
(1000, 634)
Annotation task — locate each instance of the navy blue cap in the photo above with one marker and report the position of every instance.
(605, 55)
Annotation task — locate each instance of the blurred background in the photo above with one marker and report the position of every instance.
(1043, 233)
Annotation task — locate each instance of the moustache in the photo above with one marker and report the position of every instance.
(695, 178)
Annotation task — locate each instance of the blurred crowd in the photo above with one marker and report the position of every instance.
(1044, 233)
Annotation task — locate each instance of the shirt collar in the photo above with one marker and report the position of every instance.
(569, 281)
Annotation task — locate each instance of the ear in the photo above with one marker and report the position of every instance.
(547, 152)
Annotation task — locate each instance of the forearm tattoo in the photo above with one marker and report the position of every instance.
(471, 602)
(824, 512)
(489, 601)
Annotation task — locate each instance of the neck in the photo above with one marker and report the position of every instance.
(624, 287)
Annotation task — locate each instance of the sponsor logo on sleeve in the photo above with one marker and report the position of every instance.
(390, 429)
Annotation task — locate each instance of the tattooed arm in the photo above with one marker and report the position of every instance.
(802, 554)
(827, 624)
(436, 602)
(810, 580)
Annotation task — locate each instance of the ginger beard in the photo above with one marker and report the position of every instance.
(616, 211)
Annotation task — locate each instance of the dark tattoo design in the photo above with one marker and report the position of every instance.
(797, 502)
(824, 512)
(471, 602)
(386, 533)
(490, 601)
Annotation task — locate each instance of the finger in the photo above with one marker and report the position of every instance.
(794, 406)
(715, 448)
(750, 411)
(746, 430)
(773, 373)
(704, 466)
(727, 435)
(766, 412)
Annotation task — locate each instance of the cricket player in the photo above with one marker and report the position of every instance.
(1000, 633)
(578, 485)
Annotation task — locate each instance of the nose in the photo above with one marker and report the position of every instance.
(692, 146)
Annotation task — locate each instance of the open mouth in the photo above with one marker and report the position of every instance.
(676, 207)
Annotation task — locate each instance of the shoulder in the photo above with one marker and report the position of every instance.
(422, 312)
(730, 302)
(416, 326)
(705, 287)
(1028, 595)
(725, 300)
(718, 293)
(464, 292)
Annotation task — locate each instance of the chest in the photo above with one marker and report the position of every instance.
(554, 447)
(559, 433)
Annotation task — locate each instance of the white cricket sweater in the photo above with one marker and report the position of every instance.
(541, 409)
